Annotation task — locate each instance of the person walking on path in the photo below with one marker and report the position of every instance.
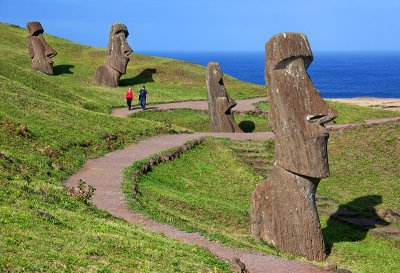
(143, 97)
(129, 97)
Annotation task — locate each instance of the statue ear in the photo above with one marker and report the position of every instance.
(30, 47)
(109, 47)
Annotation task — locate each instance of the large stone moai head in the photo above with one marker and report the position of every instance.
(39, 50)
(284, 212)
(220, 104)
(298, 112)
(117, 57)
(118, 48)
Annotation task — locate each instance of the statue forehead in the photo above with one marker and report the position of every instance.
(215, 68)
(289, 45)
(34, 27)
(117, 27)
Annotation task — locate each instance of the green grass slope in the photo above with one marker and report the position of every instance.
(47, 131)
(348, 113)
(166, 79)
(198, 120)
(214, 197)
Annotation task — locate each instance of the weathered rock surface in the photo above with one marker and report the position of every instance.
(220, 104)
(39, 50)
(117, 58)
(283, 208)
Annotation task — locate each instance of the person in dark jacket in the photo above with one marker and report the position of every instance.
(143, 97)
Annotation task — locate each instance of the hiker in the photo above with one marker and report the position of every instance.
(143, 97)
(129, 97)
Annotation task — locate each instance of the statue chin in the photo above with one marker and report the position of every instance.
(118, 63)
(42, 65)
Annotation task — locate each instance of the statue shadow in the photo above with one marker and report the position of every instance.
(63, 69)
(247, 126)
(143, 77)
(346, 225)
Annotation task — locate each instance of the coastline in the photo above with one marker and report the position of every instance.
(392, 104)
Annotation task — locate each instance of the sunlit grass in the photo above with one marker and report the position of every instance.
(209, 190)
(348, 113)
(198, 121)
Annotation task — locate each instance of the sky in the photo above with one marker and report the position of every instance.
(216, 25)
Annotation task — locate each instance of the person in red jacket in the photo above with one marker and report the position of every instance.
(129, 97)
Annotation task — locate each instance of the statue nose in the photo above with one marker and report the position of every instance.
(320, 119)
(50, 52)
(318, 111)
(126, 49)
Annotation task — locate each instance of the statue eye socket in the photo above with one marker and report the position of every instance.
(37, 32)
(285, 62)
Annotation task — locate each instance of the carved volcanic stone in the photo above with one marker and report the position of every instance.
(117, 58)
(39, 50)
(283, 207)
(220, 104)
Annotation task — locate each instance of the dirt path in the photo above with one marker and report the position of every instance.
(242, 106)
(105, 174)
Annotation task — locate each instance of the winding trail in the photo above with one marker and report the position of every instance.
(242, 106)
(106, 175)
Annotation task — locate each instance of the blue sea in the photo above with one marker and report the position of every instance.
(335, 74)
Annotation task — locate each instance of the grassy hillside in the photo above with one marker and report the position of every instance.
(348, 113)
(49, 126)
(198, 120)
(215, 196)
(47, 131)
(74, 66)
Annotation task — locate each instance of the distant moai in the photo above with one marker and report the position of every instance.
(117, 58)
(39, 50)
(220, 104)
(283, 209)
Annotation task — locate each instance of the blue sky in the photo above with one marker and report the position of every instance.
(218, 25)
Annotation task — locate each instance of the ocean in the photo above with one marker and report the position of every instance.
(335, 74)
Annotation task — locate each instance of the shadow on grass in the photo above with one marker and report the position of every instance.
(62, 69)
(342, 231)
(247, 126)
(143, 77)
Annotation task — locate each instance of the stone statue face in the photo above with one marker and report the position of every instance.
(215, 79)
(118, 48)
(39, 50)
(298, 112)
(220, 103)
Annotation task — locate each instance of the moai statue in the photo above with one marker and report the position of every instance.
(283, 209)
(220, 104)
(117, 58)
(39, 50)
